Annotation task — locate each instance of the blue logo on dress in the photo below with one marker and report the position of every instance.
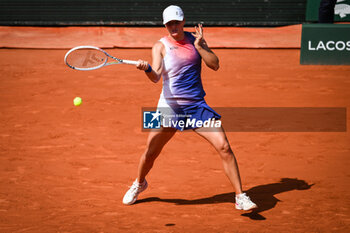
(151, 119)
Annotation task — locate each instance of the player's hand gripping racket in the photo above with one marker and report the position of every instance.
(91, 58)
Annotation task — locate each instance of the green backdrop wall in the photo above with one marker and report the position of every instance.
(325, 44)
(146, 12)
(342, 11)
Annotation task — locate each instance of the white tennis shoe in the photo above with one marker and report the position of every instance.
(135, 189)
(243, 202)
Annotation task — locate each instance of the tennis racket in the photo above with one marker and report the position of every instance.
(91, 58)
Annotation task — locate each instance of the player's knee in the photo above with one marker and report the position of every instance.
(224, 147)
(225, 151)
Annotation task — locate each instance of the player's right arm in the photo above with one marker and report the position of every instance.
(157, 63)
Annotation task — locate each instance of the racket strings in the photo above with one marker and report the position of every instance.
(86, 58)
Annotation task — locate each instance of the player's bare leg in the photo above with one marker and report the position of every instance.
(217, 138)
(155, 143)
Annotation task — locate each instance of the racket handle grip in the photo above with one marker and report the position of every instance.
(130, 62)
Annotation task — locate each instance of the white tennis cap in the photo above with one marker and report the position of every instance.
(172, 12)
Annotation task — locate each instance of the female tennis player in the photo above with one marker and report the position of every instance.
(177, 58)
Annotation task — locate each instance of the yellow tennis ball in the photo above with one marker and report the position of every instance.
(77, 101)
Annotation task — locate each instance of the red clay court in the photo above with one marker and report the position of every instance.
(66, 168)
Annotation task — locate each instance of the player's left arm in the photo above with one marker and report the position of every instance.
(208, 56)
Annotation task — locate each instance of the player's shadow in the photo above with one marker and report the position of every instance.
(262, 195)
